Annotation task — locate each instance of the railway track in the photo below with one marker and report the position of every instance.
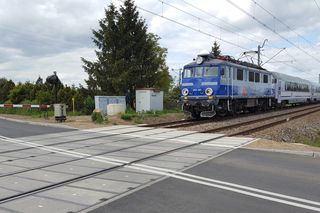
(180, 123)
(194, 122)
(251, 126)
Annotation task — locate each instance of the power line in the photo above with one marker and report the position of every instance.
(269, 59)
(204, 33)
(272, 30)
(192, 28)
(210, 23)
(289, 65)
(316, 4)
(284, 24)
(234, 26)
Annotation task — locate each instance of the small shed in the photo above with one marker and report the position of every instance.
(149, 99)
(102, 102)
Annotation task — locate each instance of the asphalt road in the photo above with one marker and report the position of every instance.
(16, 129)
(287, 174)
(278, 183)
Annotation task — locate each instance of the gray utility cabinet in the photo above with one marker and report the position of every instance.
(149, 99)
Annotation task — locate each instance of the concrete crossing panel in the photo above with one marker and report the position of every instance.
(84, 168)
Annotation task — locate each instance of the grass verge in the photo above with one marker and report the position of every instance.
(33, 112)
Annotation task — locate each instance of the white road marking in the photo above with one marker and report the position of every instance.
(241, 189)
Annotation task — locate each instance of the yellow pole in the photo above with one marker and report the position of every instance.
(73, 105)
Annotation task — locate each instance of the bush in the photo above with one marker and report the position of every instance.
(97, 117)
(88, 105)
(127, 116)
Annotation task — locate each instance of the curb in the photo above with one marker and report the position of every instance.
(39, 123)
(304, 153)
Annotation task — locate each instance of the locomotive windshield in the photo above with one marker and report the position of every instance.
(210, 71)
(198, 72)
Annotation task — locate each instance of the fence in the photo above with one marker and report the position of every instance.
(25, 106)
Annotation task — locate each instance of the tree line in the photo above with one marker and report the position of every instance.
(43, 93)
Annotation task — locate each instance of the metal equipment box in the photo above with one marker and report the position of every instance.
(60, 112)
(149, 99)
(101, 102)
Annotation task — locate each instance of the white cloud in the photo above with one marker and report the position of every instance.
(41, 36)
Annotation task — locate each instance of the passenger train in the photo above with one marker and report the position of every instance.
(222, 85)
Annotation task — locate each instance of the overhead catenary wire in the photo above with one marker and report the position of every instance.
(289, 65)
(220, 19)
(208, 34)
(315, 1)
(272, 30)
(280, 21)
(191, 28)
(208, 22)
(234, 26)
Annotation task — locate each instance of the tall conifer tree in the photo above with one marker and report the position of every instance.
(128, 57)
(215, 49)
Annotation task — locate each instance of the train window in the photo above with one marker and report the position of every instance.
(210, 71)
(223, 73)
(198, 72)
(296, 87)
(257, 77)
(239, 74)
(265, 79)
(251, 76)
(188, 73)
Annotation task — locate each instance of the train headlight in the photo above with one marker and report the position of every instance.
(209, 91)
(185, 92)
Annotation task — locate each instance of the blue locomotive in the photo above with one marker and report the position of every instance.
(222, 85)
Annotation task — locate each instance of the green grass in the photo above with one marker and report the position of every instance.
(33, 112)
(130, 114)
(315, 142)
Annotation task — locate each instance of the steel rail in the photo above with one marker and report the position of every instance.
(219, 129)
(272, 124)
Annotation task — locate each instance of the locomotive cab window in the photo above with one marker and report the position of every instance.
(239, 75)
(251, 76)
(198, 72)
(257, 77)
(188, 73)
(265, 79)
(223, 73)
(210, 71)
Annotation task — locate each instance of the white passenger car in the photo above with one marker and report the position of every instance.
(290, 89)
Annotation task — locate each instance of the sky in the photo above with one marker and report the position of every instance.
(42, 36)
